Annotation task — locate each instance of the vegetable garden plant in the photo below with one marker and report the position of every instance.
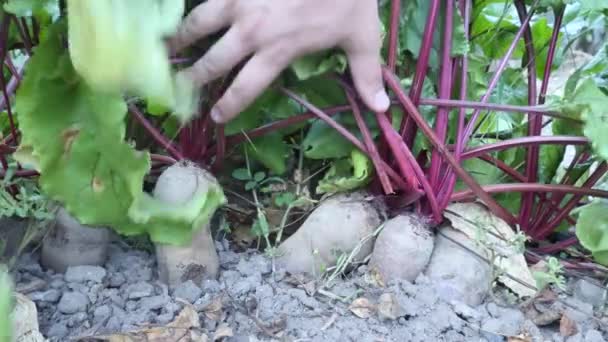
(471, 119)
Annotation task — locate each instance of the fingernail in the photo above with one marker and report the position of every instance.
(382, 102)
(216, 115)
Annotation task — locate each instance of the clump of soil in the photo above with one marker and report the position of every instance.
(252, 302)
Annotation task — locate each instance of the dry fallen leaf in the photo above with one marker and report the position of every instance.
(222, 331)
(213, 310)
(567, 326)
(468, 218)
(362, 307)
(183, 329)
(187, 318)
(520, 338)
(388, 307)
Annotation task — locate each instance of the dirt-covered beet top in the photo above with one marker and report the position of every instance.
(494, 141)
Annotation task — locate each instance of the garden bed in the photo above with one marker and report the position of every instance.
(251, 302)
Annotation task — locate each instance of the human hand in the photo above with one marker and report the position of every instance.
(276, 32)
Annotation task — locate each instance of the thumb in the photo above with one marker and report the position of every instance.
(367, 75)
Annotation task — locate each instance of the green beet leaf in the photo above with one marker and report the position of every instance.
(175, 223)
(271, 151)
(6, 306)
(318, 63)
(28, 8)
(119, 46)
(592, 230)
(347, 174)
(75, 136)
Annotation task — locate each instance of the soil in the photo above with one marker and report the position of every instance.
(252, 302)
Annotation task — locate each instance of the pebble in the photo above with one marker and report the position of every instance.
(73, 302)
(114, 324)
(465, 311)
(172, 308)
(140, 290)
(58, 330)
(188, 291)
(588, 292)
(49, 296)
(57, 284)
(594, 336)
(166, 318)
(101, 313)
(578, 337)
(153, 303)
(82, 274)
(509, 323)
(210, 285)
(117, 280)
(131, 305)
(76, 319)
(578, 311)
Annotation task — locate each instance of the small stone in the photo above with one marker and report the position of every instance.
(58, 330)
(575, 338)
(508, 324)
(466, 311)
(73, 302)
(140, 290)
(257, 264)
(493, 309)
(588, 292)
(165, 318)
(57, 284)
(77, 319)
(578, 311)
(49, 296)
(117, 280)
(153, 303)
(210, 286)
(131, 305)
(114, 324)
(82, 274)
(94, 292)
(188, 291)
(101, 313)
(594, 336)
(172, 308)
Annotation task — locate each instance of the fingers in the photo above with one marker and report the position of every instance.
(363, 52)
(206, 18)
(221, 58)
(367, 76)
(253, 79)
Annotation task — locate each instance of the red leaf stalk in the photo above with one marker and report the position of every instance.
(368, 140)
(410, 108)
(346, 134)
(408, 127)
(445, 91)
(495, 78)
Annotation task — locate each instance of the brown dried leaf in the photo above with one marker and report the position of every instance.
(362, 307)
(388, 307)
(222, 331)
(187, 319)
(213, 310)
(520, 338)
(180, 330)
(567, 326)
